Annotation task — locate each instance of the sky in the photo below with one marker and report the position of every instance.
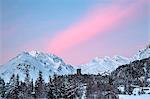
(75, 30)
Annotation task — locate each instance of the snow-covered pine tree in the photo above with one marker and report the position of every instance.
(31, 86)
(26, 87)
(64, 87)
(70, 89)
(63, 91)
(27, 77)
(13, 88)
(12, 81)
(51, 89)
(79, 90)
(40, 90)
(17, 80)
(22, 92)
(2, 88)
(29, 89)
(9, 86)
(56, 82)
(16, 89)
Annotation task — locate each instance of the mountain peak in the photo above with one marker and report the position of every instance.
(34, 53)
(143, 53)
(35, 61)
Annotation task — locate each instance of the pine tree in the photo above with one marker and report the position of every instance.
(13, 88)
(40, 90)
(29, 89)
(17, 80)
(2, 88)
(32, 86)
(32, 89)
(22, 92)
(51, 89)
(27, 77)
(56, 82)
(79, 90)
(68, 89)
(63, 90)
(12, 81)
(9, 86)
(16, 90)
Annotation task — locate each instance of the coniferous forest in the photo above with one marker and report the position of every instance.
(75, 86)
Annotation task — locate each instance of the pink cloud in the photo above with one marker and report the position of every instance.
(97, 21)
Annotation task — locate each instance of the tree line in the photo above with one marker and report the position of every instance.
(74, 86)
(57, 87)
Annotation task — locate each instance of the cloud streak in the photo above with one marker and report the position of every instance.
(98, 20)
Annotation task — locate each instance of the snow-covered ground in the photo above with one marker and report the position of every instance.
(145, 96)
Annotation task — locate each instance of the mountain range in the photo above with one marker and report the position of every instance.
(99, 65)
(50, 64)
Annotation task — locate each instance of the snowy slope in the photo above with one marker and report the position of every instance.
(145, 96)
(100, 65)
(141, 54)
(35, 61)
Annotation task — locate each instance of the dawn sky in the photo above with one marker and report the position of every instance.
(75, 30)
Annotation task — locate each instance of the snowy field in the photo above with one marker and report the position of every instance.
(146, 96)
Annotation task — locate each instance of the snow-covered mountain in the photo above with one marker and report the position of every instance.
(100, 65)
(141, 54)
(35, 61)
(50, 64)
